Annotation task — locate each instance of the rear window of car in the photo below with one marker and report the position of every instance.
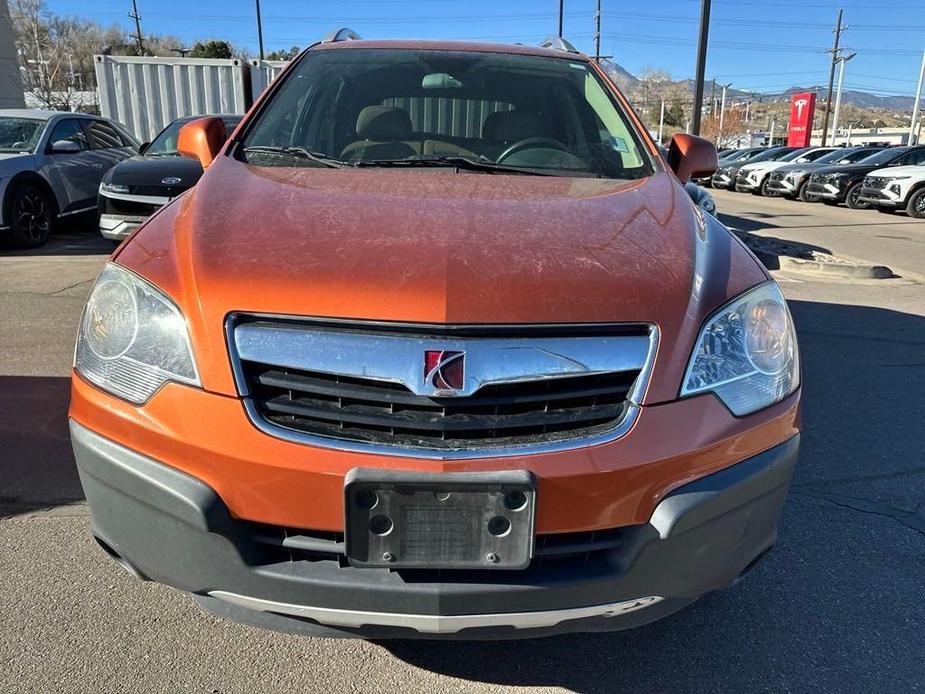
(103, 135)
(385, 105)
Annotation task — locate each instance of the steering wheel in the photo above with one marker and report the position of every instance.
(530, 143)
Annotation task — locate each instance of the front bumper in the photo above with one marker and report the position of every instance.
(745, 184)
(722, 180)
(121, 214)
(119, 227)
(783, 186)
(173, 528)
(825, 191)
(881, 197)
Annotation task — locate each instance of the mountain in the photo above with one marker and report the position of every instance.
(630, 84)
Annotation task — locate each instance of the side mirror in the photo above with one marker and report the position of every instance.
(64, 147)
(691, 157)
(143, 146)
(202, 139)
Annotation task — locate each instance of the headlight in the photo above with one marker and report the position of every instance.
(113, 188)
(747, 353)
(132, 338)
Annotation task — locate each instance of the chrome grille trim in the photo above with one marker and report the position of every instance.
(343, 348)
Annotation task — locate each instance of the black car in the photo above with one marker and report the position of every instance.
(725, 176)
(836, 184)
(790, 181)
(137, 187)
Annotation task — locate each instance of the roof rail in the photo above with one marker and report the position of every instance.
(559, 44)
(342, 34)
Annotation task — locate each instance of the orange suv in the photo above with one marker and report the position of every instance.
(437, 347)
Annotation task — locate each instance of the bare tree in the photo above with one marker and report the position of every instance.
(733, 127)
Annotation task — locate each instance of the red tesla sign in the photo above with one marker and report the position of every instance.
(802, 108)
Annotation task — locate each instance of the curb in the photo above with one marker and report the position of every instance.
(842, 269)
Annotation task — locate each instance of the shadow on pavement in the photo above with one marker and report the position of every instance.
(38, 470)
(837, 606)
(72, 237)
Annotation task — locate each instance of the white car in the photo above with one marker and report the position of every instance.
(896, 188)
(753, 178)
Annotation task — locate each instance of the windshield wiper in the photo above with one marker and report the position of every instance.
(297, 152)
(454, 162)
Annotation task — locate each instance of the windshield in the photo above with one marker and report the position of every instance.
(374, 107)
(884, 157)
(165, 144)
(745, 155)
(844, 156)
(775, 154)
(796, 154)
(20, 134)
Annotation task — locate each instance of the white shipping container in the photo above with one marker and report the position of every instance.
(145, 93)
(262, 73)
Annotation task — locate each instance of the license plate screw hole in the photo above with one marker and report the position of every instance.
(367, 498)
(499, 526)
(442, 496)
(493, 558)
(380, 525)
(388, 556)
(515, 501)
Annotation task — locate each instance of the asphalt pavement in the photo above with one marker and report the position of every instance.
(837, 607)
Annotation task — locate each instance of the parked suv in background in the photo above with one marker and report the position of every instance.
(51, 164)
(392, 374)
(790, 180)
(753, 177)
(896, 188)
(725, 176)
(136, 188)
(836, 184)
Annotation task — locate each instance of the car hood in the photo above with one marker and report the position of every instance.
(762, 166)
(11, 162)
(440, 246)
(846, 168)
(151, 171)
(806, 166)
(894, 171)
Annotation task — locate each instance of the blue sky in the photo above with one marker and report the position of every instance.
(762, 45)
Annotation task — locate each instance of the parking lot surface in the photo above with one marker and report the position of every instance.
(836, 607)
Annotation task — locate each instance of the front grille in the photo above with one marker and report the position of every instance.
(777, 175)
(875, 182)
(370, 411)
(525, 388)
(293, 544)
(126, 208)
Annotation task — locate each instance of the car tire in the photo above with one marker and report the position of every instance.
(851, 198)
(765, 191)
(804, 195)
(32, 215)
(916, 205)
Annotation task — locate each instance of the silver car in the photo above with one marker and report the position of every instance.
(51, 165)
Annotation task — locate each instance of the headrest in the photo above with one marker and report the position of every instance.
(384, 123)
(511, 126)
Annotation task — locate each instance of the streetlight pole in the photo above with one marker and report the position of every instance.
(841, 78)
(918, 99)
(661, 123)
(701, 65)
(561, 12)
(259, 29)
(597, 33)
(722, 108)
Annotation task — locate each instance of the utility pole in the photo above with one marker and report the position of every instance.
(561, 12)
(828, 100)
(661, 123)
(597, 33)
(918, 100)
(137, 36)
(713, 99)
(722, 108)
(771, 135)
(841, 78)
(259, 30)
(701, 66)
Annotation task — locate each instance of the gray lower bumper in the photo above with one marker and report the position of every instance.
(169, 527)
(119, 227)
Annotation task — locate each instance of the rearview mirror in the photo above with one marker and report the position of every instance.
(691, 157)
(64, 147)
(202, 139)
